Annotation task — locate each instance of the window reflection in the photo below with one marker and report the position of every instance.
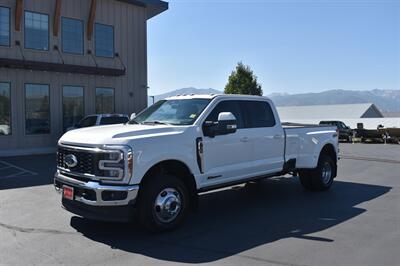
(4, 26)
(73, 110)
(37, 109)
(104, 40)
(104, 100)
(5, 109)
(36, 31)
(72, 36)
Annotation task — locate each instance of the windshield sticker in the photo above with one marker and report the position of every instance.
(193, 116)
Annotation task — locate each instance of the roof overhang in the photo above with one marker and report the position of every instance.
(62, 68)
(154, 7)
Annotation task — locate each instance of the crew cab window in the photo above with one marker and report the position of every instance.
(227, 106)
(113, 120)
(88, 122)
(257, 114)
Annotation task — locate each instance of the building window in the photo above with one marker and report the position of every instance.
(37, 109)
(104, 40)
(72, 35)
(73, 110)
(5, 109)
(104, 100)
(36, 31)
(4, 26)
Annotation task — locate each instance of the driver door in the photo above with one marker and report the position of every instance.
(226, 157)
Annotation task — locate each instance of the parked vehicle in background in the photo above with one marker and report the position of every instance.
(345, 132)
(162, 159)
(101, 119)
(371, 135)
(391, 134)
(5, 130)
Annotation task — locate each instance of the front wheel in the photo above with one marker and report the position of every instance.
(163, 203)
(320, 178)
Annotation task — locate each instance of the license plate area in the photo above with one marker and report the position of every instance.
(68, 192)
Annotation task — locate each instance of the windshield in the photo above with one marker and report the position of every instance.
(174, 112)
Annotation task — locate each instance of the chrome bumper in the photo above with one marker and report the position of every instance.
(131, 191)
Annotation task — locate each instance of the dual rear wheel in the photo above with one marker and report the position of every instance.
(320, 178)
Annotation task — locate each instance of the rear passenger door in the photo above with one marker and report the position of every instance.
(267, 136)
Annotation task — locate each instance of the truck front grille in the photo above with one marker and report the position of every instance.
(87, 161)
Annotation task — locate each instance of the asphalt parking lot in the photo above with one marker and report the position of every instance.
(274, 222)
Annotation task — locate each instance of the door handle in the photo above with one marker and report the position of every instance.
(277, 136)
(244, 139)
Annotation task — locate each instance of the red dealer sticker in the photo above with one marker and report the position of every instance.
(68, 192)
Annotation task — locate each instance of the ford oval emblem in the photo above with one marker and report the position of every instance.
(70, 160)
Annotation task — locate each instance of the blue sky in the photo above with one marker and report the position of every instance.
(292, 46)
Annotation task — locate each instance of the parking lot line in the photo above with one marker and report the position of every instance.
(360, 158)
(16, 171)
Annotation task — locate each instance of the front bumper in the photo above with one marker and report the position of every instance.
(95, 201)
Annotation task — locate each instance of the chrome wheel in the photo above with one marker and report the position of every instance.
(167, 205)
(326, 173)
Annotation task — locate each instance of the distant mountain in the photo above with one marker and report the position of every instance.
(385, 100)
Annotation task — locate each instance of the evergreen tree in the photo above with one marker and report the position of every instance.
(243, 81)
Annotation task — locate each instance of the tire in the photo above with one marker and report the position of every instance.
(305, 179)
(163, 203)
(320, 178)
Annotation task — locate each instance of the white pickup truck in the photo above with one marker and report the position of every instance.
(154, 166)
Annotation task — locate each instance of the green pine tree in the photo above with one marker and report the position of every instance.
(243, 81)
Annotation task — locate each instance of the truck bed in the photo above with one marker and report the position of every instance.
(302, 142)
(299, 125)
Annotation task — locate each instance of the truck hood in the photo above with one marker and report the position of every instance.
(117, 134)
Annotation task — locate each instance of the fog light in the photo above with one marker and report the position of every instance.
(113, 195)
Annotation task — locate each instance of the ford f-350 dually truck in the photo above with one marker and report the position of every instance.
(153, 167)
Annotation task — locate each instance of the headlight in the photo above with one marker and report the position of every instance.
(116, 163)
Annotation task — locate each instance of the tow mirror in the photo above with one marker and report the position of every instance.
(226, 124)
(133, 115)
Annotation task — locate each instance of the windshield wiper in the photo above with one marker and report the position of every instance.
(155, 123)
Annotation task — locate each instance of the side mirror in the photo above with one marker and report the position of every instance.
(226, 124)
(133, 115)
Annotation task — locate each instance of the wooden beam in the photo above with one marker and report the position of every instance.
(57, 17)
(18, 14)
(92, 16)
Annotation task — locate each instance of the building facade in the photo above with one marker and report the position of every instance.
(63, 59)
